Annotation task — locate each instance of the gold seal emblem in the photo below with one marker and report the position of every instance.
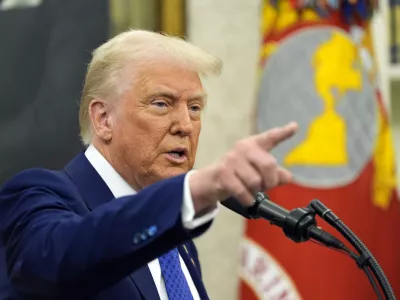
(316, 78)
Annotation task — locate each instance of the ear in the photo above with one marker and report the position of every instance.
(100, 115)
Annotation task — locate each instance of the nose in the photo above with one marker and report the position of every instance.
(181, 122)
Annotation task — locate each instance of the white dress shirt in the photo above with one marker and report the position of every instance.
(119, 188)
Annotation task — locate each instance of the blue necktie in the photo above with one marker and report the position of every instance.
(174, 279)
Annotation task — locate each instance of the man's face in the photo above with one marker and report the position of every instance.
(156, 125)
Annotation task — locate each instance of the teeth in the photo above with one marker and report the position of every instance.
(175, 154)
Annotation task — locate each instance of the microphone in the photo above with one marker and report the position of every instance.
(299, 225)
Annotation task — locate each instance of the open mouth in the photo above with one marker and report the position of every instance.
(177, 154)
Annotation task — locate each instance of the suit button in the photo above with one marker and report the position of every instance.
(151, 231)
(136, 238)
(143, 236)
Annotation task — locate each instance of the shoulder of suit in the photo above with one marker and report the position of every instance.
(31, 178)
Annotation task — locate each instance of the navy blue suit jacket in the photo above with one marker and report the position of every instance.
(63, 236)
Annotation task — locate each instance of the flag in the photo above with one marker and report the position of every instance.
(317, 67)
(45, 48)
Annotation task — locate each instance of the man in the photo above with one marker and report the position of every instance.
(118, 221)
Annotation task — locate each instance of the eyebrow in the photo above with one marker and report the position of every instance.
(173, 96)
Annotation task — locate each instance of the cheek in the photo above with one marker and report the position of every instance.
(122, 123)
(145, 137)
(195, 141)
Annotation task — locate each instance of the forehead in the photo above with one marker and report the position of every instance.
(169, 77)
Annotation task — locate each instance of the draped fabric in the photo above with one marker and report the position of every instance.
(45, 47)
(167, 16)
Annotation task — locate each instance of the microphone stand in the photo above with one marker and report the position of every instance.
(300, 225)
(366, 259)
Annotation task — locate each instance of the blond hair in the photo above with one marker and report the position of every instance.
(105, 78)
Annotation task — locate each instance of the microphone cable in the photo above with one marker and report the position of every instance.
(365, 260)
(346, 251)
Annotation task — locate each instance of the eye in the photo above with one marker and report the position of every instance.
(195, 108)
(160, 104)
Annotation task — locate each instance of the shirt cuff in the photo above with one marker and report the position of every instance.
(188, 213)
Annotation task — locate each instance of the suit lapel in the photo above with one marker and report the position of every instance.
(194, 271)
(95, 192)
(145, 283)
(91, 187)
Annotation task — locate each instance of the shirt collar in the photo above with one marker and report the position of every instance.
(118, 186)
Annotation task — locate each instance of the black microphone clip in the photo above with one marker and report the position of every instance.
(299, 224)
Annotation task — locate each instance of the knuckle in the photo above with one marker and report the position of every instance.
(229, 158)
(241, 193)
(270, 162)
(272, 182)
(242, 145)
(255, 182)
(223, 169)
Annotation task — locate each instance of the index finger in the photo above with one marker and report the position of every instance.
(271, 138)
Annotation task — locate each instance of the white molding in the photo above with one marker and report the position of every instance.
(394, 72)
(381, 42)
(387, 72)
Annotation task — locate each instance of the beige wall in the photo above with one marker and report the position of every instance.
(228, 29)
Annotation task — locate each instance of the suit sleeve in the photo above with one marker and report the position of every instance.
(52, 251)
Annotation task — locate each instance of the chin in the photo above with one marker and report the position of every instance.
(158, 175)
(176, 171)
(173, 171)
